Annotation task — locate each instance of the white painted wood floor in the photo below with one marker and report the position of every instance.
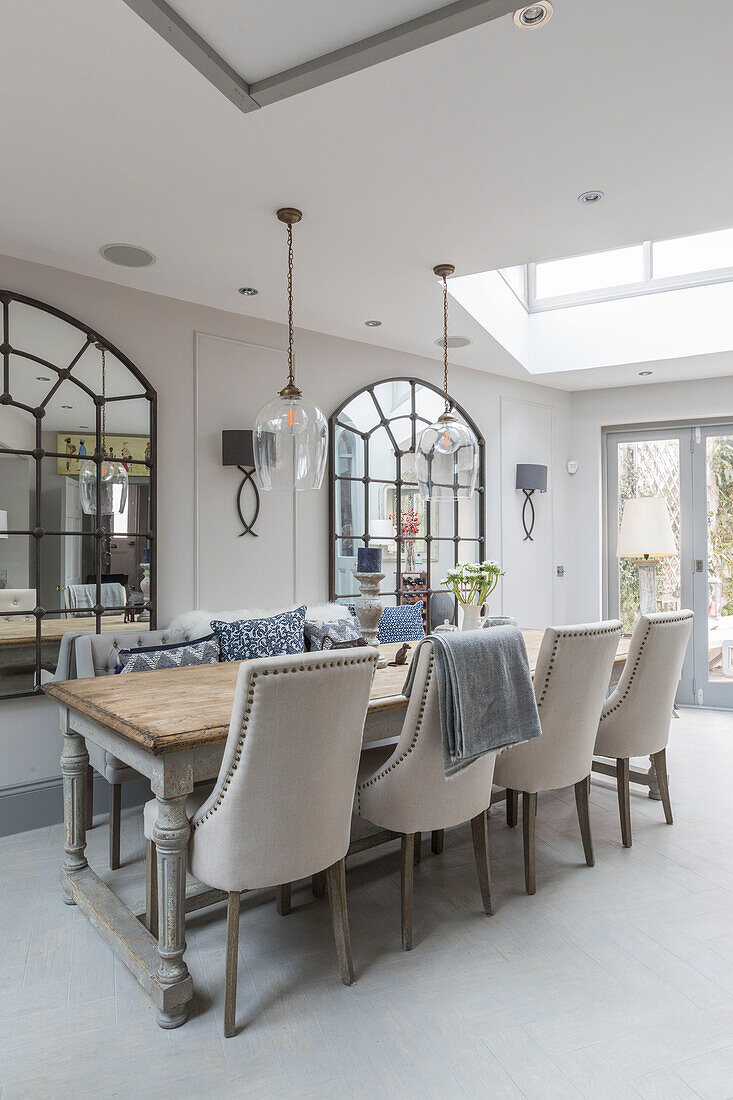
(613, 981)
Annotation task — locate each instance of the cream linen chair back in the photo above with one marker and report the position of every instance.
(281, 807)
(571, 679)
(635, 718)
(409, 793)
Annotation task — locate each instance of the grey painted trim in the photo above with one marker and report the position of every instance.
(432, 27)
(402, 39)
(33, 805)
(169, 25)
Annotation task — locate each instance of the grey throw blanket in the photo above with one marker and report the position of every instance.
(82, 597)
(485, 693)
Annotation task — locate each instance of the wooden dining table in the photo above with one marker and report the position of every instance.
(171, 727)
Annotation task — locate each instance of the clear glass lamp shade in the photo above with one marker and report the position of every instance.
(290, 444)
(113, 478)
(446, 460)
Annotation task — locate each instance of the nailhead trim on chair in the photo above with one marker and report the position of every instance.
(569, 634)
(614, 703)
(247, 711)
(418, 727)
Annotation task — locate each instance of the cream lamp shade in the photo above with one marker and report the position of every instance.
(3, 524)
(646, 530)
(382, 530)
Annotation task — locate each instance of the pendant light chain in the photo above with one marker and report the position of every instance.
(291, 371)
(445, 343)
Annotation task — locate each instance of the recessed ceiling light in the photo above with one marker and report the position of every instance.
(534, 15)
(84, 427)
(372, 324)
(588, 198)
(127, 255)
(250, 291)
(42, 378)
(67, 406)
(645, 373)
(454, 342)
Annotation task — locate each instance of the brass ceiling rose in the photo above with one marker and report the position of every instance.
(444, 270)
(289, 215)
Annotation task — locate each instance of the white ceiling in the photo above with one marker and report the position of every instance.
(470, 151)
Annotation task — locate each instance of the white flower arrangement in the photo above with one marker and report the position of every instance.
(473, 582)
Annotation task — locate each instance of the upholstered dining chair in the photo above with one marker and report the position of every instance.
(280, 809)
(96, 655)
(635, 718)
(408, 792)
(573, 669)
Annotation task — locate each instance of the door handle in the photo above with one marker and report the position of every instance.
(699, 565)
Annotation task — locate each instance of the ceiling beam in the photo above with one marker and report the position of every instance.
(426, 29)
(162, 18)
(402, 39)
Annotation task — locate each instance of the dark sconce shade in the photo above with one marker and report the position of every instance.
(531, 478)
(237, 449)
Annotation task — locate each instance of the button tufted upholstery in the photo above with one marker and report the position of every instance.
(16, 599)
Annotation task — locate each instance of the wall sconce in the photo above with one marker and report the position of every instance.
(531, 478)
(237, 449)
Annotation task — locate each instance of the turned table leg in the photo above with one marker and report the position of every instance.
(74, 763)
(171, 835)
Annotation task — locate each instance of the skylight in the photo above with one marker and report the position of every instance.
(622, 272)
(664, 299)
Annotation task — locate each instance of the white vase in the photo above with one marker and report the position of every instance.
(471, 616)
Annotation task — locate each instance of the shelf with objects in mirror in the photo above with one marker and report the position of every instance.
(77, 491)
(375, 500)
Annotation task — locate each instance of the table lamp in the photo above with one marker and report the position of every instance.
(646, 535)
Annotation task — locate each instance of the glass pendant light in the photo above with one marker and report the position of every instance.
(112, 473)
(447, 453)
(291, 433)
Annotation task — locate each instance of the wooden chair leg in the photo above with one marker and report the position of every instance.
(582, 792)
(115, 815)
(512, 807)
(318, 884)
(436, 841)
(406, 880)
(624, 801)
(89, 794)
(230, 987)
(336, 876)
(151, 888)
(480, 834)
(529, 813)
(283, 898)
(418, 848)
(660, 767)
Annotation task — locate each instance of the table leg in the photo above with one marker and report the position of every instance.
(171, 835)
(654, 791)
(74, 762)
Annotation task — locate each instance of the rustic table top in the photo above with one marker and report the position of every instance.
(18, 632)
(186, 708)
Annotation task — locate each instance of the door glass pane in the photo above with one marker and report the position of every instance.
(719, 482)
(650, 468)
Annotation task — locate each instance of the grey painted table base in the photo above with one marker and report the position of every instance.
(159, 965)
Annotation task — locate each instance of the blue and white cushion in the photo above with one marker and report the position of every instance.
(203, 651)
(402, 624)
(335, 630)
(273, 637)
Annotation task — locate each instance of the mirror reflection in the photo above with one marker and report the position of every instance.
(376, 500)
(63, 571)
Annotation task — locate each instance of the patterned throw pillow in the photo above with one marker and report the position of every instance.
(335, 630)
(402, 624)
(248, 638)
(203, 651)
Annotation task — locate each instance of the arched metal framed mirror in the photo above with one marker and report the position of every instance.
(63, 571)
(374, 499)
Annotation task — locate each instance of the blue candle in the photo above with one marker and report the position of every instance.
(369, 559)
(146, 555)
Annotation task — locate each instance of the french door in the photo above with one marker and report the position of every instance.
(692, 469)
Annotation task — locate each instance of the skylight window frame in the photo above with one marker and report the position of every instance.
(649, 285)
